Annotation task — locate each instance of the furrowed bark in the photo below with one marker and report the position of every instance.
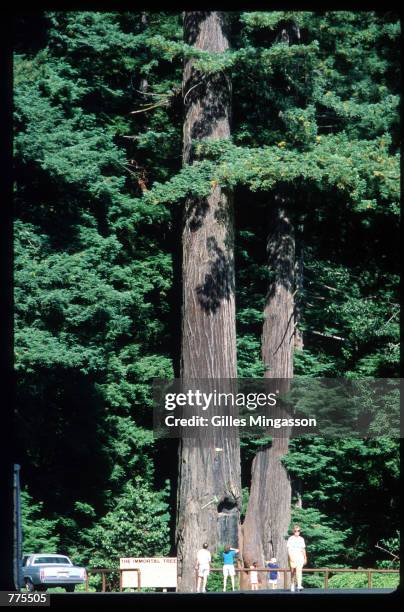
(299, 280)
(268, 512)
(208, 324)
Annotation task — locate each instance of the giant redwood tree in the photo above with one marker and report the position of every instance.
(269, 507)
(208, 318)
(268, 511)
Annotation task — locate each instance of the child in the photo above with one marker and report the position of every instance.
(203, 560)
(254, 577)
(272, 575)
(229, 555)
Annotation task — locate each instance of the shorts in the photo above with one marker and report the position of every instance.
(203, 571)
(296, 561)
(228, 570)
(272, 581)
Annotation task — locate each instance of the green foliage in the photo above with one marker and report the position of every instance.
(353, 483)
(249, 357)
(360, 581)
(39, 533)
(136, 526)
(245, 497)
(91, 290)
(390, 548)
(327, 543)
(267, 20)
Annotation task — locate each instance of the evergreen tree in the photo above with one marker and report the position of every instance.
(39, 533)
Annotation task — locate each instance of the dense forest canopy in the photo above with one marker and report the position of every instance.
(99, 187)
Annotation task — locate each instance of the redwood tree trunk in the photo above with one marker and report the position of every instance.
(208, 323)
(299, 287)
(268, 512)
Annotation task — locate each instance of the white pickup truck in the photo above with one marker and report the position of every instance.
(48, 570)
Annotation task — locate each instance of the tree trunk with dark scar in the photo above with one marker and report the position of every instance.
(208, 321)
(268, 512)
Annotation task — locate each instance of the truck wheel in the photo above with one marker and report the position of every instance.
(70, 588)
(29, 585)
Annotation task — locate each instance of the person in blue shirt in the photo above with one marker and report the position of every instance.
(273, 574)
(229, 554)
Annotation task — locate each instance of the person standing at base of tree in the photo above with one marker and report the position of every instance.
(297, 557)
(229, 554)
(254, 577)
(272, 575)
(203, 559)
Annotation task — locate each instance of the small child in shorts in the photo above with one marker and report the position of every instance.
(254, 576)
(272, 565)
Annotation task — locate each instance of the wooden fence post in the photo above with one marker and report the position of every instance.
(327, 571)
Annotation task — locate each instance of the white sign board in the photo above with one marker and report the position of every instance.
(154, 572)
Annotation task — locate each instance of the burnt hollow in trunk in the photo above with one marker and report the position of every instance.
(209, 485)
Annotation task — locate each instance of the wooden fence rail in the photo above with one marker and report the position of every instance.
(325, 570)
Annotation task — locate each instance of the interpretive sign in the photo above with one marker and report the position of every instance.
(154, 572)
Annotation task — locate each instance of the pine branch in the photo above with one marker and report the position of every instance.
(331, 336)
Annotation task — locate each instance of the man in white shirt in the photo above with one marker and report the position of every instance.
(203, 559)
(297, 557)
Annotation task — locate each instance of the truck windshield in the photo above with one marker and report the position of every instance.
(52, 560)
